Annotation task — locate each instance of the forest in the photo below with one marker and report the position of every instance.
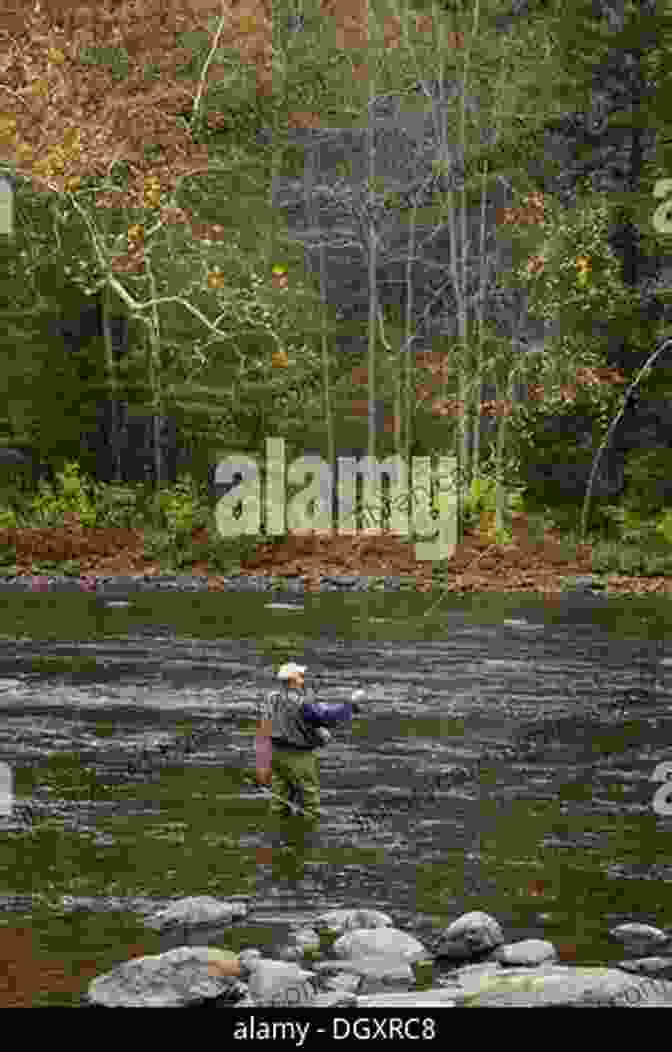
(367, 228)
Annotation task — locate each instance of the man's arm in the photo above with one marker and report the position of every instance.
(321, 712)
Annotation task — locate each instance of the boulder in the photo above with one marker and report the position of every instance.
(178, 978)
(384, 942)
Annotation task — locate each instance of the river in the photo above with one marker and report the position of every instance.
(503, 762)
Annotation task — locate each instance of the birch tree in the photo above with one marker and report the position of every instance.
(512, 94)
(72, 149)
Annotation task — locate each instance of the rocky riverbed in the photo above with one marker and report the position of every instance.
(373, 964)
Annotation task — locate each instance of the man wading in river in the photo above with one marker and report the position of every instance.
(290, 729)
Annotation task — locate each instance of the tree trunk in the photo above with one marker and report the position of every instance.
(155, 379)
(372, 285)
(313, 210)
(112, 380)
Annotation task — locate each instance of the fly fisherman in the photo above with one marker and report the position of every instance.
(289, 730)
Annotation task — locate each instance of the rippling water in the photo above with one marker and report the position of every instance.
(503, 763)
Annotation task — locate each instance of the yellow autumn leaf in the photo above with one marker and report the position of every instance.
(72, 183)
(56, 56)
(279, 360)
(135, 232)
(247, 23)
(71, 139)
(39, 87)
(24, 152)
(216, 279)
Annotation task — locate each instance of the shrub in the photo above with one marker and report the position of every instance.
(116, 505)
(648, 475)
(630, 560)
(8, 520)
(157, 544)
(8, 555)
(664, 525)
(226, 555)
(74, 496)
(182, 508)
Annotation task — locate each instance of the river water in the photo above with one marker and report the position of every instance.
(503, 763)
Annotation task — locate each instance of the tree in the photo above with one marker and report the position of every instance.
(616, 73)
(380, 202)
(76, 149)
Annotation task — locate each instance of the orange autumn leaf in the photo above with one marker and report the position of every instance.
(389, 424)
(424, 23)
(567, 951)
(360, 407)
(351, 38)
(535, 265)
(392, 32)
(537, 888)
(279, 360)
(216, 279)
(303, 119)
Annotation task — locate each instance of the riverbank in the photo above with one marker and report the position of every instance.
(95, 559)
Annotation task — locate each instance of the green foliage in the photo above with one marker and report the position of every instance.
(181, 508)
(71, 568)
(536, 437)
(647, 474)
(72, 495)
(624, 523)
(226, 555)
(664, 525)
(223, 556)
(116, 59)
(8, 520)
(647, 552)
(116, 505)
(7, 555)
(157, 544)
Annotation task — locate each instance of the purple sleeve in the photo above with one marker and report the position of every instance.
(323, 712)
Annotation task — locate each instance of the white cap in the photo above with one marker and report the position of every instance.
(290, 670)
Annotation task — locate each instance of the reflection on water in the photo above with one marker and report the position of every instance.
(492, 768)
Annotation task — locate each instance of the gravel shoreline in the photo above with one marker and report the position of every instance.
(186, 583)
(121, 585)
